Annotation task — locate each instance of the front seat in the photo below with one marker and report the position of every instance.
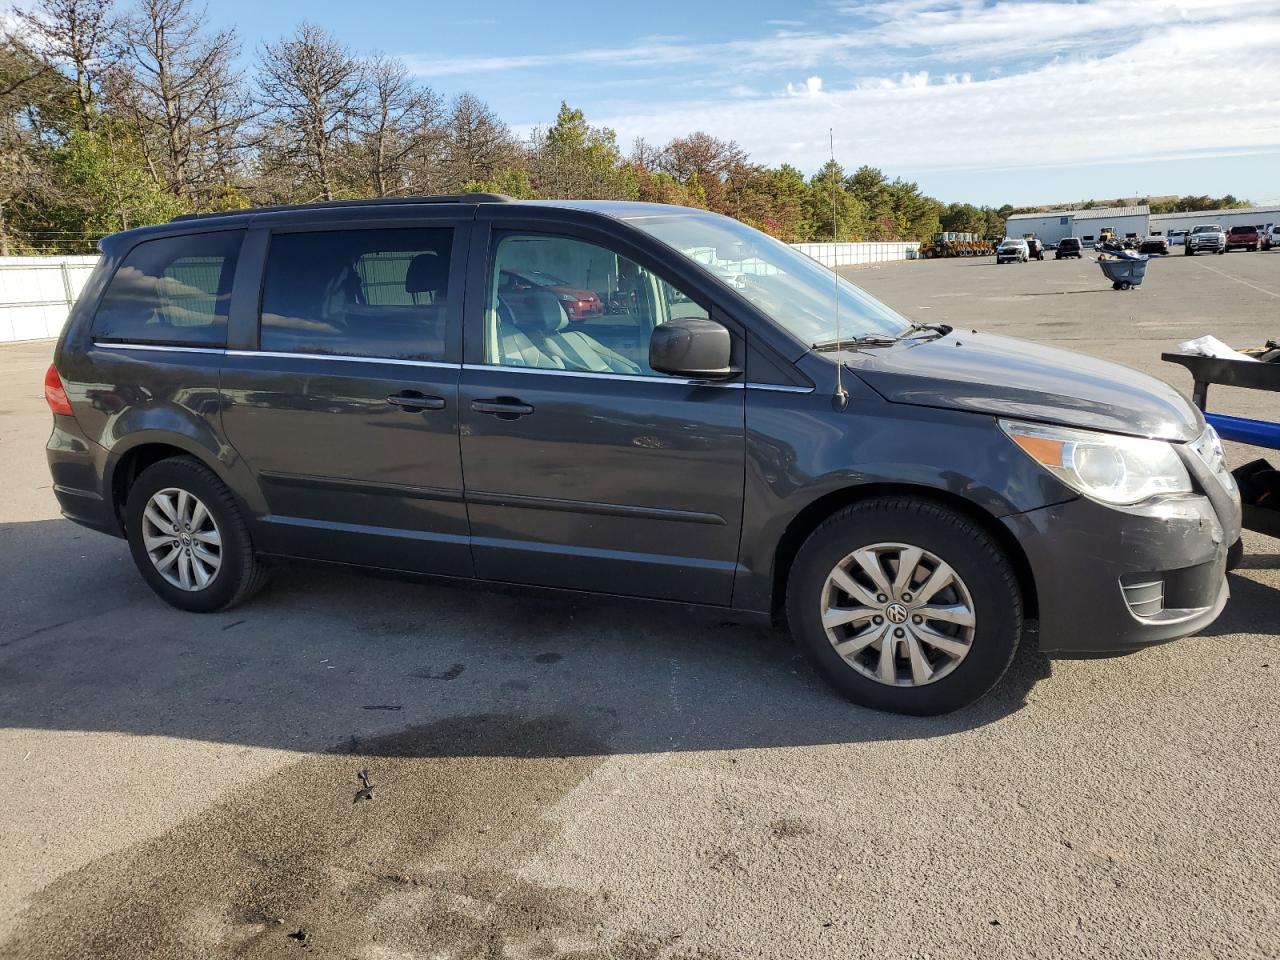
(538, 314)
(428, 273)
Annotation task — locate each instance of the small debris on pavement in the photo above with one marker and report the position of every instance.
(366, 792)
(382, 706)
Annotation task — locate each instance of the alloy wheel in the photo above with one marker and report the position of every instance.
(898, 614)
(182, 539)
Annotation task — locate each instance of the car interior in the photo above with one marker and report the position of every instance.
(350, 299)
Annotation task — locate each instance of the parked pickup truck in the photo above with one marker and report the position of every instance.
(1243, 238)
(1206, 238)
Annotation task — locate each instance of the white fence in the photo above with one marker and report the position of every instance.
(36, 294)
(851, 254)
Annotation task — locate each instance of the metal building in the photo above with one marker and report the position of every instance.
(1136, 221)
(1162, 223)
(1051, 226)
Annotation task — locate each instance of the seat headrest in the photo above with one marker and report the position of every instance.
(427, 273)
(536, 310)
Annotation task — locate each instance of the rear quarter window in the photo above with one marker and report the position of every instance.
(171, 291)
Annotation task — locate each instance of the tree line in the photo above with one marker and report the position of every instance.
(113, 117)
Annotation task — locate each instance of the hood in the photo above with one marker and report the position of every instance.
(1004, 377)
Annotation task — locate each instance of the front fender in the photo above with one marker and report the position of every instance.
(797, 458)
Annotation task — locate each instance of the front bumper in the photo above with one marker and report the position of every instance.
(1111, 580)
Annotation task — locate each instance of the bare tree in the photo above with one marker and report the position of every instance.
(478, 144)
(314, 90)
(177, 83)
(71, 33)
(402, 126)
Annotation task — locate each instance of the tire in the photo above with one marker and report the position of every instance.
(238, 575)
(985, 578)
(1188, 252)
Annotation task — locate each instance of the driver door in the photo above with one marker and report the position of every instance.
(584, 468)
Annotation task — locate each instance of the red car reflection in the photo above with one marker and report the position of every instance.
(578, 304)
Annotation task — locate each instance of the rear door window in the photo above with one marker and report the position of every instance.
(171, 291)
(380, 294)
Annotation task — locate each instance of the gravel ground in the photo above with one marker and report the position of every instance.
(595, 778)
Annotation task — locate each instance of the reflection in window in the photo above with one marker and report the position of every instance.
(359, 293)
(563, 304)
(174, 290)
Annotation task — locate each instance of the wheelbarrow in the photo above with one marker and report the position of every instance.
(1124, 272)
(1258, 433)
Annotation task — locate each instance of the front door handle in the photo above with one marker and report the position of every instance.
(506, 408)
(413, 401)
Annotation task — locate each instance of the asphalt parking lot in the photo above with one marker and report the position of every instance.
(592, 778)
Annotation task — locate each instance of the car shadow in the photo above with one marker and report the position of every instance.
(325, 657)
(1251, 609)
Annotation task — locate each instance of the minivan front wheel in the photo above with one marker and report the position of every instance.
(188, 537)
(905, 605)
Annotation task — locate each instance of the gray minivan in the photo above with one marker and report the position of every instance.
(629, 399)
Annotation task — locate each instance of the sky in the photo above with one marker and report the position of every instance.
(984, 101)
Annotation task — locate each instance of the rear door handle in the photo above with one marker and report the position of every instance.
(507, 408)
(413, 401)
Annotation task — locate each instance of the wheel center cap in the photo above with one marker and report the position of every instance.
(896, 613)
(186, 542)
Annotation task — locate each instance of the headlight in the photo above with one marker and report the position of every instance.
(1104, 466)
(1209, 449)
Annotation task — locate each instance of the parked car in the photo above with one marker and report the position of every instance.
(1244, 238)
(1154, 245)
(1206, 237)
(1177, 238)
(1035, 249)
(1013, 251)
(903, 495)
(578, 304)
(1068, 247)
(1273, 237)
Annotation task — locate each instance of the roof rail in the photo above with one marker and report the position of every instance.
(368, 202)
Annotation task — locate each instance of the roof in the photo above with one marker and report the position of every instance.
(1101, 213)
(1106, 213)
(1233, 212)
(367, 202)
(391, 208)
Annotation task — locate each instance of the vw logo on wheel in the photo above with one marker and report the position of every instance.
(896, 613)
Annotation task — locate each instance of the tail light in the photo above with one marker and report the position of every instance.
(55, 395)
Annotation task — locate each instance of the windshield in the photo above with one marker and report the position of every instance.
(1210, 229)
(794, 290)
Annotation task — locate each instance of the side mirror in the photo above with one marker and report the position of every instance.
(692, 347)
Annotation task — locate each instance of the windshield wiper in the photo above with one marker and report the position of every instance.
(937, 329)
(884, 339)
(866, 340)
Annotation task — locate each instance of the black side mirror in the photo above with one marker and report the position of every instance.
(692, 347)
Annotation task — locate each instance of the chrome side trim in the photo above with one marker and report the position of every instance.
(159, 347)
(280, 355)
(779, 388)
(603, 376)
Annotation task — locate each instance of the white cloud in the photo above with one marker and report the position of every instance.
(954, 31)
(1185, 86)
(812, 87)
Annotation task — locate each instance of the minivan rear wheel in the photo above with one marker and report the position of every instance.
(189, 539)
(905, 605)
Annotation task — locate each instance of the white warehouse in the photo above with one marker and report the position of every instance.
(1052, 226)
(1136, 221)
